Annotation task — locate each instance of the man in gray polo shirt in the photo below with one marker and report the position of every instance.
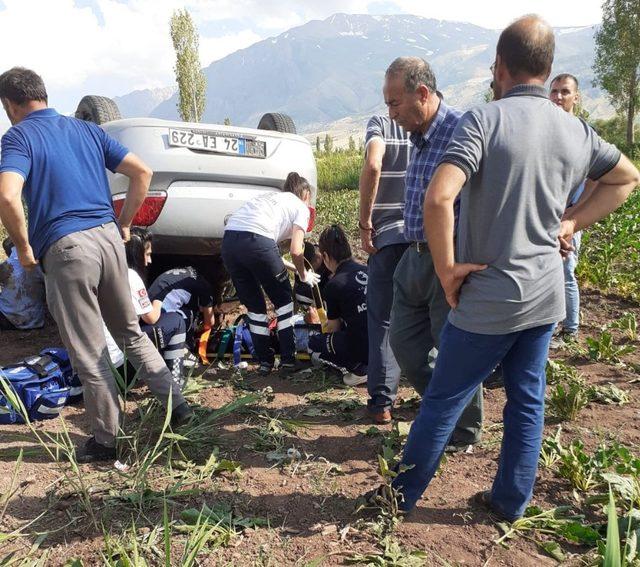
(505, 283)
(381, 224)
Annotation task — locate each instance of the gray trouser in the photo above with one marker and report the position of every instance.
(418, 314)
(383, 373)
(87, 282)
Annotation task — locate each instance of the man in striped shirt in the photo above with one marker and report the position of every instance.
(381, 224)
(419, 305)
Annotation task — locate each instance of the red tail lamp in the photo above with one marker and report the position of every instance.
(149, 211)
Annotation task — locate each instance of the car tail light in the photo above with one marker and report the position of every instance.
(312, 218)
(148, 212)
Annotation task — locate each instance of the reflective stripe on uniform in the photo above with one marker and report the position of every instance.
(177, 339)
(285, 309)
(258, 317)
(285, 323)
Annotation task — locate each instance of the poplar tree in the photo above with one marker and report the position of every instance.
(617, 60)
(191, 80)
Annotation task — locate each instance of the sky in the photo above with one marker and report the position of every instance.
(112, 47)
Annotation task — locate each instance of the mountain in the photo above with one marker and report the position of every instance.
(143, 102)
(332, 70)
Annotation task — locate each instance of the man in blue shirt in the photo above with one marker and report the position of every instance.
(58, 164)
(419, 306)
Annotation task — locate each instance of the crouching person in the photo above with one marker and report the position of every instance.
(167, 330)
(345, 340)
(58, 163)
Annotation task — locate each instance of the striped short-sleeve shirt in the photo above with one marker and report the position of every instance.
(388, 210)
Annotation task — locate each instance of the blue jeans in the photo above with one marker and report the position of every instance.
(571, 291)
(383, 373)
(464, 360)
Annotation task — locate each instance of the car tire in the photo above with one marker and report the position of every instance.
(277, 122)
(97, 109)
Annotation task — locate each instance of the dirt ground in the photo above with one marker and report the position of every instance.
(309, 506)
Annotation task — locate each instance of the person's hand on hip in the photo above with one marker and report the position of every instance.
(453, 279)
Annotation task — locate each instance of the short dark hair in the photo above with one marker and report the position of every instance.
(297, 185)
(310, 251)
(20, 85)
(7, 245)
(564, 77)
(415, 71)
(135, 249)
(527, 47)
(333, 242)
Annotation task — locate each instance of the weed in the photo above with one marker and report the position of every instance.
(566, 400)
(338, 171)
(628, 324)
(342, 401)
(274, 432)
(609, 394)
(604, 349)
(558, 372)
(56, 446)
(390, 555)
(558, 522)
(340, 207)
(609, 254)
(577, 467)
(550, 450)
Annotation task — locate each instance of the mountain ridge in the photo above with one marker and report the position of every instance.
(325, 71)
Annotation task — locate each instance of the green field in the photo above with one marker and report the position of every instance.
(610, 255)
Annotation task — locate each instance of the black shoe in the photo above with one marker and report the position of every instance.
(483, 499)
(458, 446)
(288, 367)
(92, 451)
(265, 368)
(181, 415)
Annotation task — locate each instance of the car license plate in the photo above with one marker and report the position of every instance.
(218, 142)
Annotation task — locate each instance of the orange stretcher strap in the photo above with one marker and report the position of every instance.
(202, 346)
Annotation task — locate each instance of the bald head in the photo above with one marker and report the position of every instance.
(526, 47)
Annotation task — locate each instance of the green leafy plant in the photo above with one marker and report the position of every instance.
(628, 324)
(560, 522)
(566, 400)
(603, 348)
(609, 394)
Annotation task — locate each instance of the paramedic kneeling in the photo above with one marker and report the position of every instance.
(251, 256)
(345, 343)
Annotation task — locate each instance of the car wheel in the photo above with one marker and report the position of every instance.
(98, 109)
(277, 122)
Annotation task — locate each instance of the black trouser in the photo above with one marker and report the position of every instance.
(254, 262)
(338, 349)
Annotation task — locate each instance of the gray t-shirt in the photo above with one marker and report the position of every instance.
(388, 210)
(523, 156)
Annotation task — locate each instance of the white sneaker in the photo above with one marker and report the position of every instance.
(351, 379)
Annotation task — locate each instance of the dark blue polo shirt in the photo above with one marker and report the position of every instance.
(62, 161)
(346, 297)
